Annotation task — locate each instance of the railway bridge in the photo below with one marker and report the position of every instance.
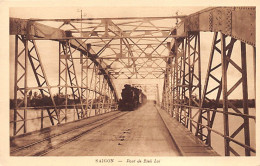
(195, 113)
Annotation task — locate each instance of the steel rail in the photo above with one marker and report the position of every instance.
(68, 131)
(76, 137)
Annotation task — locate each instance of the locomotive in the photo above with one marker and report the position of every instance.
(132, 98)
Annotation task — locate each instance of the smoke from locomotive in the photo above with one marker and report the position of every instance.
(132, 98)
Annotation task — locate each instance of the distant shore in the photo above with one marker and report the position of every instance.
(237, 103)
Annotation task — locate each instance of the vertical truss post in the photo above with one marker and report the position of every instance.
(91, 89)
(199, 71)
(25, 85)
(20, 85)
(180, 53)
(164, 93)
(105, 96)
(157, 95)
(88, 92)
(83, 78)
(87, 86)
(254, 66)
(181, 84)
(168, 87)
(245, 97)
(95, 88)
(185, 80)
(98, 93)
(23, 90)
(194, 77)
(108, 100)
(189, 83)
(111, 100)
(178, 74)
(168, 92)
(101, 94)
(63, 78)
(74, 86)
(15, 86)
(175, 83)
(163, 105)
(225, 96)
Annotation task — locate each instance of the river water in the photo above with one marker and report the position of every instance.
(36, 123)
(234, 123)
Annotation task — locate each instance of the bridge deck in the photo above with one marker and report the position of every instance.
(142, 132)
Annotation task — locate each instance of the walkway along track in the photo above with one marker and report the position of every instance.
(186, 143)
(53, 141)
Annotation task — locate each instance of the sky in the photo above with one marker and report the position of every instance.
(49, 49)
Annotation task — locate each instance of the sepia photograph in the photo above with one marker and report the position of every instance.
(130, 84)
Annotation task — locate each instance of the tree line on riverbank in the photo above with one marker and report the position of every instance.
(237, 103)
(60, 99)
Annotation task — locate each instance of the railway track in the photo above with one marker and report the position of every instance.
(56, 140)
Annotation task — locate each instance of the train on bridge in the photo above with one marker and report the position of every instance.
(132, 98)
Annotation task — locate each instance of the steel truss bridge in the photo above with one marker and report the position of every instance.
(165, 48)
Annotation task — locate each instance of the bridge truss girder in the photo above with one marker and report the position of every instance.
(183, 99)
(233, 24)
(26, 54)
